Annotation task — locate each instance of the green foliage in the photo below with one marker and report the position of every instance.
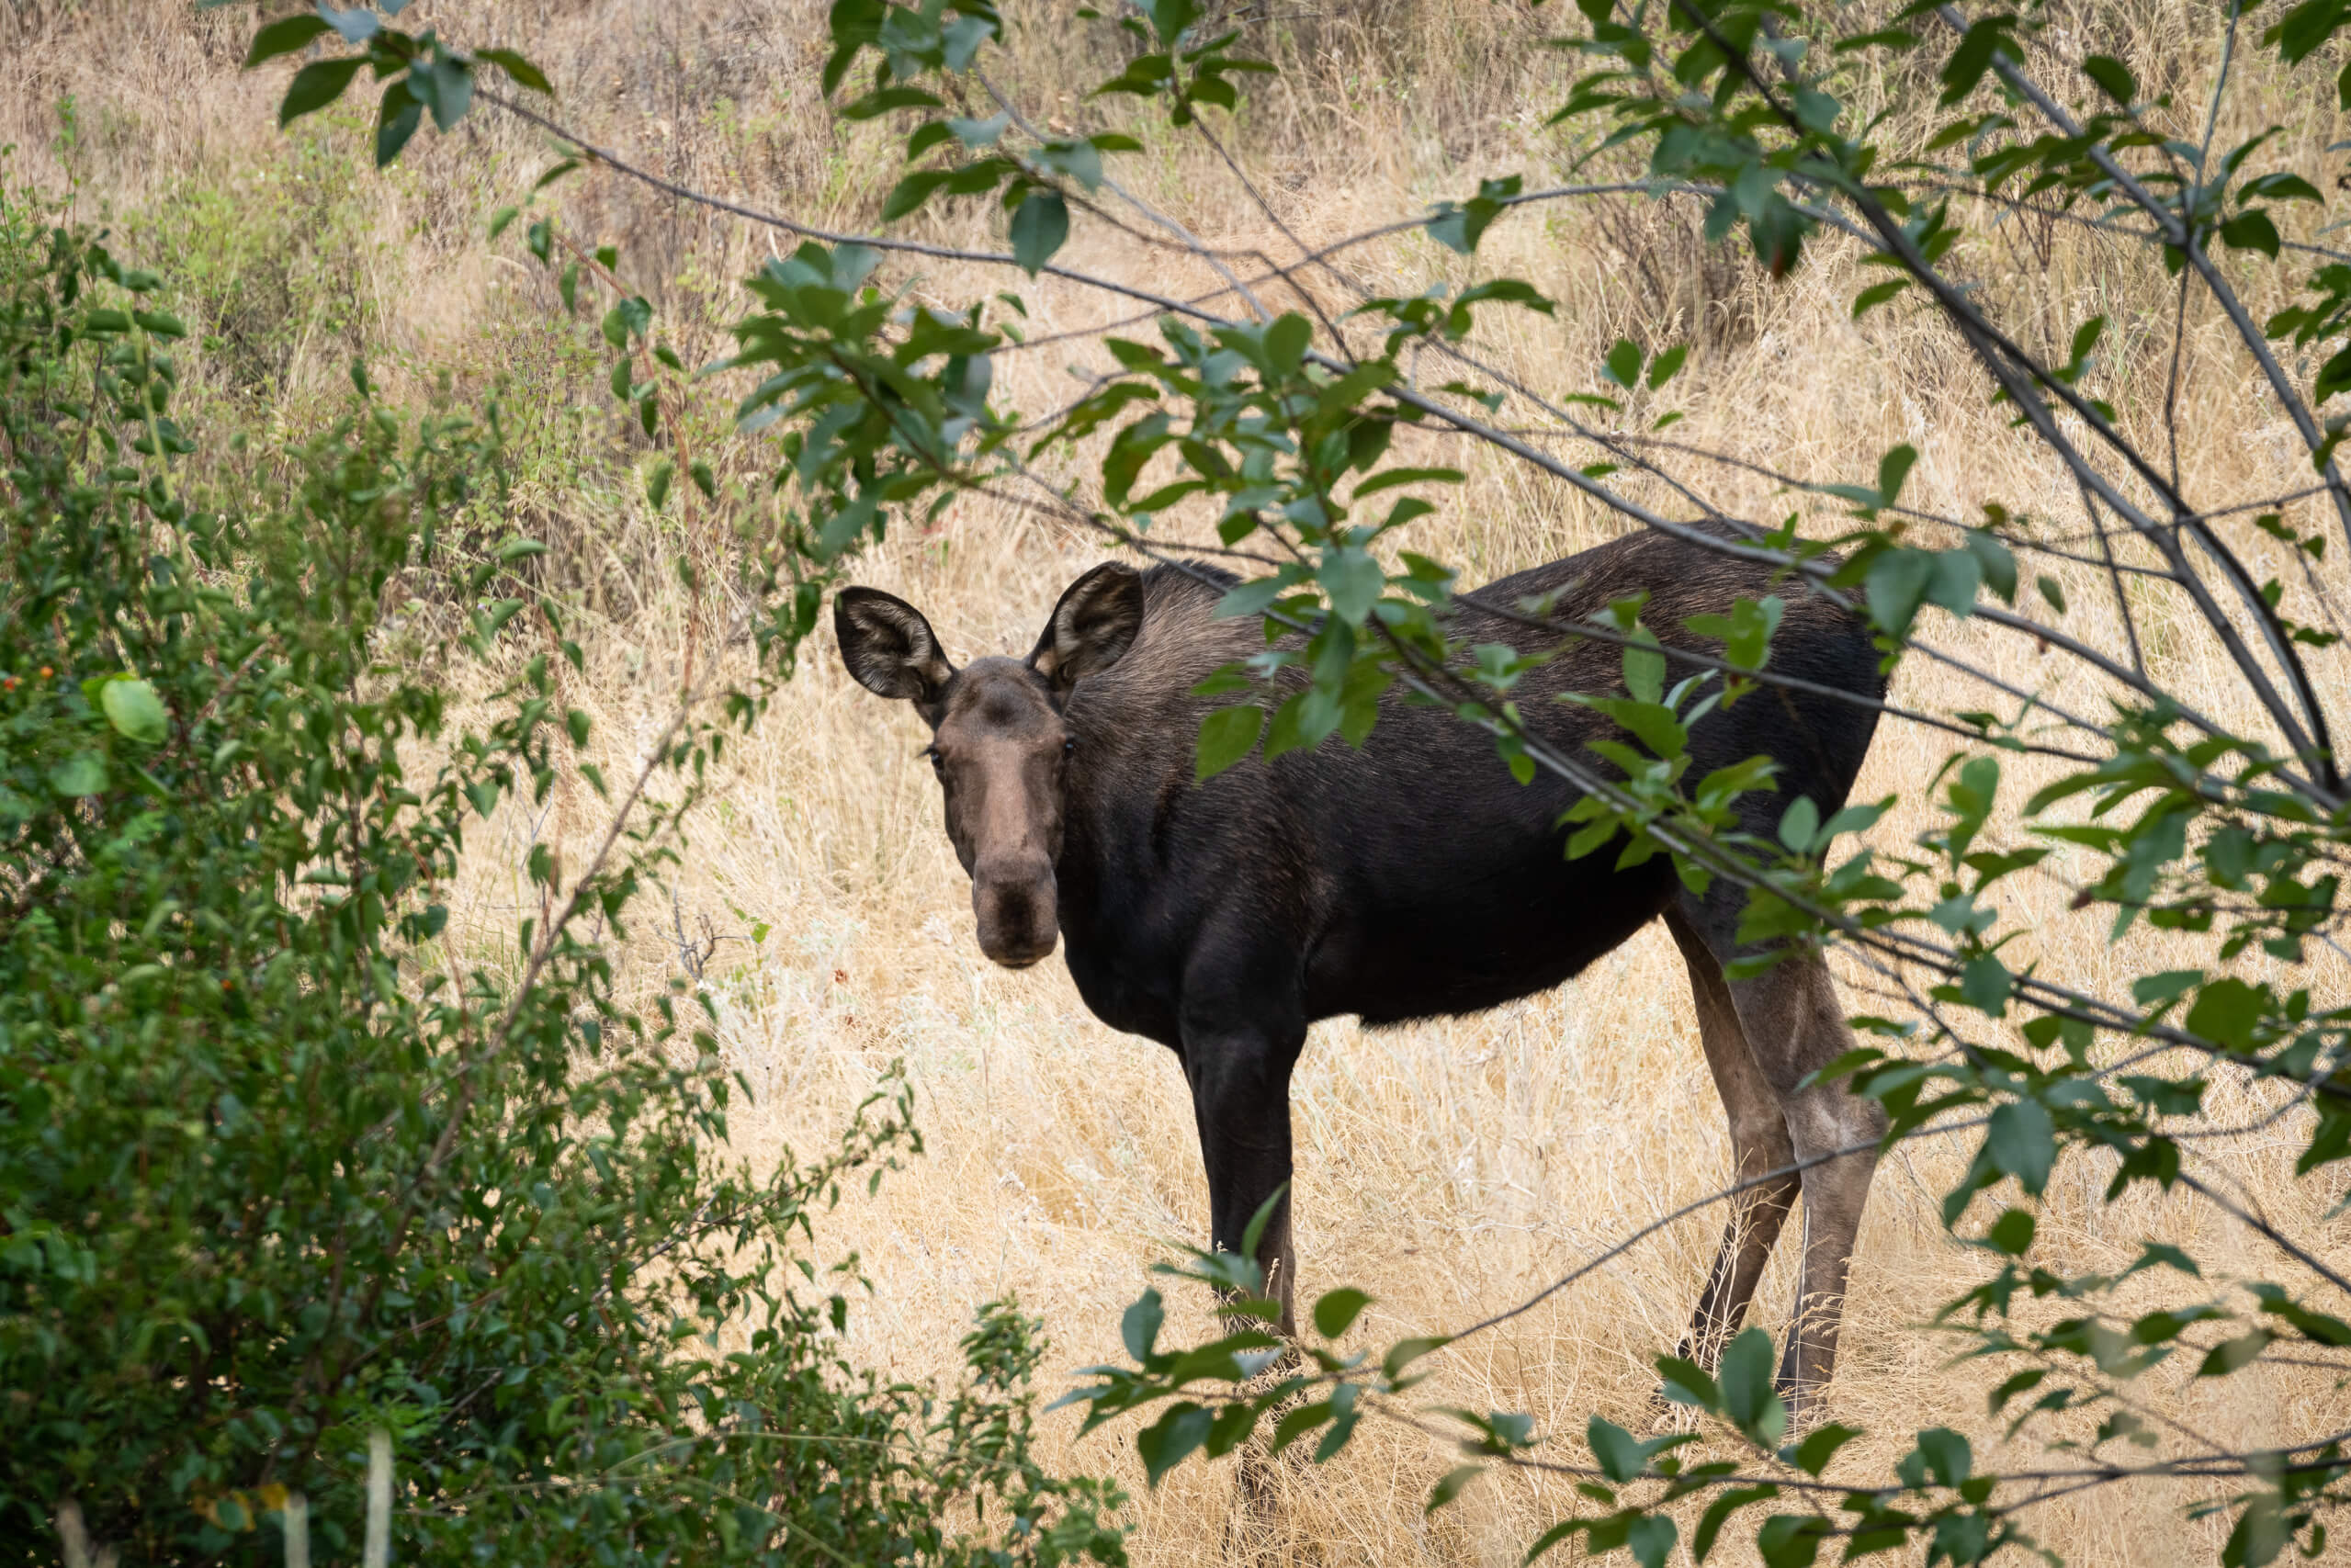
(286, 1158)
(261, 261)
(2225, 832)
(420, 72)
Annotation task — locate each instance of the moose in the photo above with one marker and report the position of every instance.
(1412, 878)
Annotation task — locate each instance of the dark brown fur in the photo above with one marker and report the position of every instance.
(1409, 879)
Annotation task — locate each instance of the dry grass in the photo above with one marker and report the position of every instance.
(1453, 1168)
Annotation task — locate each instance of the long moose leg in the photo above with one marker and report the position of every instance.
(1760, 1144)
(1794, 1025)
(1238, 1068)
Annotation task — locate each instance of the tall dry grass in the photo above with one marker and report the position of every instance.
(1453, 1167)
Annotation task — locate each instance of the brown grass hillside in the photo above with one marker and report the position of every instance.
(1451, 1167)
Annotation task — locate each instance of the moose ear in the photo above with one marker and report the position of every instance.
(1095, 623)
(888, 646)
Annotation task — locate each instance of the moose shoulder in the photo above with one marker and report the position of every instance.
(1412, 878)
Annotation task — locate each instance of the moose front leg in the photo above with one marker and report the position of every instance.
(1239, 1075)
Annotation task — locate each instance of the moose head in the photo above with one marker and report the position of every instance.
(1000, 742)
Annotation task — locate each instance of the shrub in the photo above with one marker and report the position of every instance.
(2171, 765)
(286, 1158)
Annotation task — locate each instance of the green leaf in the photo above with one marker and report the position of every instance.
(1140, 1326)
(1651, 723)
(882, 100)
(2303, 28)
(910, 193)
(2230, 1355)
(978, 133)
(1876, 294)
(2012, 1233)
(2166, 985)
(1984, 40)
(1296, 1423)
(1621, 1456)
(1651, 1539)
(1668, 365)
(134, 710)
(398, 115)
(2022, 1382)
(1985, 985)
(1889, 37)
(1892, 469)
(1800, 824)
(1896, 586)
(657, 483)
(521, 72)
(1404, 1353)
(1338, 1309)
(1745, 1378)
(2228, 1011)
(451, 93)
(1171, 1439)
(1726, 1504)
(1353, 580)
(1623, 363)
(357, 24)
(315, 86)
(79, 776)
(1226, 736)
(1644, 672)
(2114, 79)
(1688, 1384)
(1388, 479)
(1286, 342)
(1551, 1538)
(1942, 1456)
(1791, 1540)
(2251, 230)
(1449, 1486)
(1958, 575)
(1039, 228)
(1820, 1446)
(1998, 567)
(284, 37)
(2022, 1142)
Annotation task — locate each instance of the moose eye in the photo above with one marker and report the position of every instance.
(938, 763)
(1069, 745)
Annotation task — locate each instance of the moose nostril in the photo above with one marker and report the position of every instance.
(1016, 916)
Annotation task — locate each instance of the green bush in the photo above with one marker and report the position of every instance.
(280, 1166)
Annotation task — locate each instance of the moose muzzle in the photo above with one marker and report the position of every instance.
(1013, 899)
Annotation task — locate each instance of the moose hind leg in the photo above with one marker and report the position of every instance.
(1794, 1025)
(1760, 1144)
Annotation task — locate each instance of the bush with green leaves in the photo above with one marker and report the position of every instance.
(286, 1158)
(2224, 823)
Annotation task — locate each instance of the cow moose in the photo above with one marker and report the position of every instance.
(1412, 878)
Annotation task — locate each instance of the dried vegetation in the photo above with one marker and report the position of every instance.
(1454, 1166)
